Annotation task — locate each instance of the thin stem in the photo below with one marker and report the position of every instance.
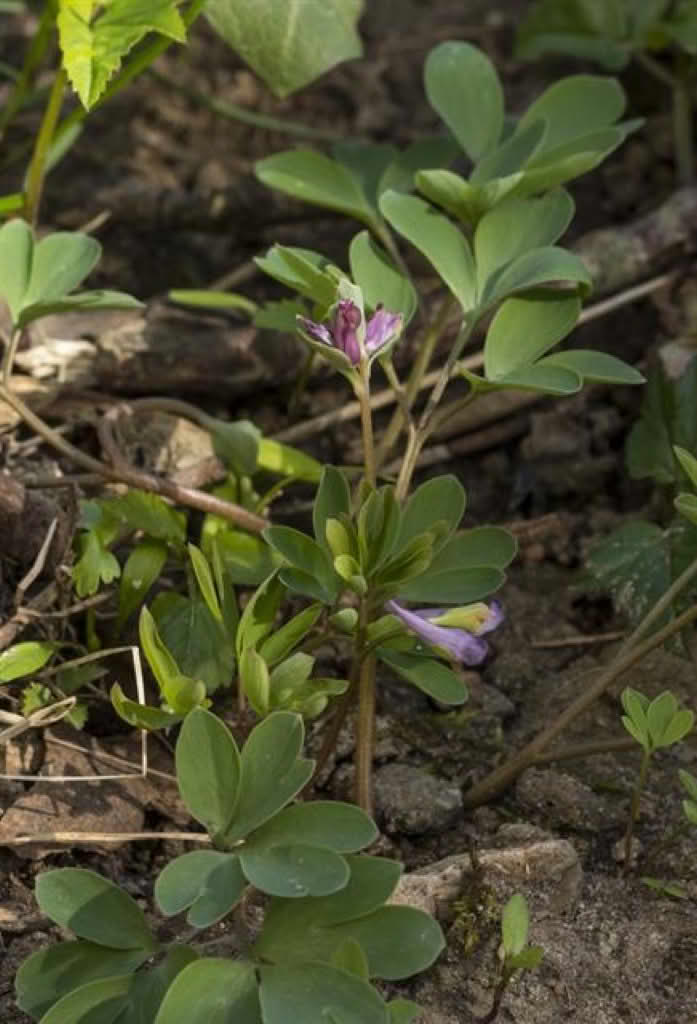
(655, 68)
(498, 780)
(682, 126)
(35, 55)
(365, 735)
(301, 383)
(9, 357)
(137, 64)
(233, 112)
(415, 381)
(36, 174)
(362, 389)
(401, 396)
(634, 809)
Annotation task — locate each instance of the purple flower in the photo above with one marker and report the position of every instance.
(458, 631)
(342, 332)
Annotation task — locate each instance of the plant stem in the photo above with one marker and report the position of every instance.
(35, 55)
(425, 424)
(362, 389)
(9, 357)
(36, 174)
(682, 127)
(413, 385)
(498, 780)
(634, 810)
(365, 735)
(233, 112)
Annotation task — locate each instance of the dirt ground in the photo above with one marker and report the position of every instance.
(161, 164)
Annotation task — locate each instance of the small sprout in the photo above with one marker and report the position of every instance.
(653, 724)
(689, 805)
(514, 952)
(677, 892)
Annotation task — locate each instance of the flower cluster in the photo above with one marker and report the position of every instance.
(343, 331)
(456, 631)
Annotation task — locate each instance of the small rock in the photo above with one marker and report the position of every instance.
(410, 800)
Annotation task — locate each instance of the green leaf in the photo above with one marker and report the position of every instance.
(596, 366)
(453, 587)
(280, 315)
(272, 772)
(24, 659)
(204, 578)
(403, 1011)
(443, 244)
(524, 328)
(367, 162)
(143, 567)
(211, 990)
(247, 558)
(282, 641)
(573, 107)
(94, 566)
(81, 302)
(515, 922)
(11, 203)
(378, 529)
(688, 462)
(689, 783)
(287, 461)
(16, 254)
(439, 500)
(236, 443)
(294, 870)
(259, 614)
(463, 87)
(302, 270)
(150, 986)
(427, 151)
(254, 679)
(350, 957)
(515, 226)
(527, 960)
(93, 908)
(510, 156)
(303, 553)
(209, 770)
(60, 262)
(148, 512)
(160, 660)
(51, 973)
(206, 882)
(338, 826)
(317, 179)
(634, 564)
(98, 1002)
(288, 44)
(678, 728)
(427, 674)
(397, 941)
(667, 419)
(533, 268)
(332, 501)
(316, 994)
(198, 642)
(378, 278)
(466, 569)
(93, 49)
(141, 716)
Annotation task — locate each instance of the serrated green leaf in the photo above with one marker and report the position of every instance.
(139, 510)
(93, 48)
(197, 642)
(299, 41)
(94, 566)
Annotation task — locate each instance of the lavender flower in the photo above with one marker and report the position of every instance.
(457, 631)
(343, 331)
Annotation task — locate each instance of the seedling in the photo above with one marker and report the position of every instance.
(514, 952)
(654, 725)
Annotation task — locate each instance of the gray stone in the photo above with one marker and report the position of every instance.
(412, 801)
(563, 800)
